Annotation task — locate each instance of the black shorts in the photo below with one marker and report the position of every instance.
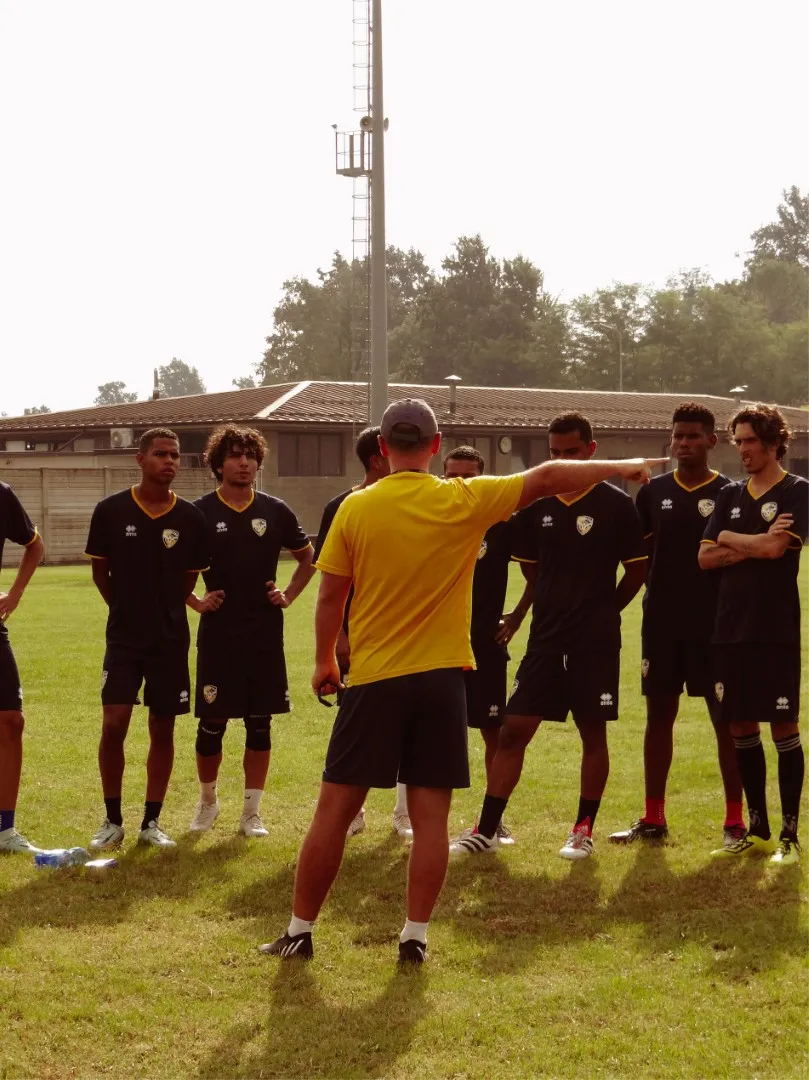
(234, 681)
(486, 687)
(668, 666)
(10, 689)
(164, 670)
(551, 684)
(411, 728)
(757, 682)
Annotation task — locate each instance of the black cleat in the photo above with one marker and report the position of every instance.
(641, 830)
(288, 948)
(412, 952)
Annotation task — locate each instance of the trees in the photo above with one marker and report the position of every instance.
(114, 393)
(35, 410)
(178, 378)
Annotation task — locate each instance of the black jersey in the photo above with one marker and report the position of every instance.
(758, 598)
(148, 559)
(680, 599)
(329, 514)
(490, 583)
(15, 525)
(578, 547)
(245, 545)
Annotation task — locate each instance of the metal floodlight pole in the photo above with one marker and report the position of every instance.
(379, 297)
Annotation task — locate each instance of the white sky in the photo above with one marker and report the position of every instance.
(166, 165)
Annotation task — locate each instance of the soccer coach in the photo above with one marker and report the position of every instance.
(409, 544)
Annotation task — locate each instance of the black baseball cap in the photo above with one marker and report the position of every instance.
(407, 422)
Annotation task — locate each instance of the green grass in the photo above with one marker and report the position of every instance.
(645, 963)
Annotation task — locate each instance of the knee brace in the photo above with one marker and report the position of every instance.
(209, 738)
(257, 732)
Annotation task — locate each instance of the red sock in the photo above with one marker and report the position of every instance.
(734, 813)
(655, 811)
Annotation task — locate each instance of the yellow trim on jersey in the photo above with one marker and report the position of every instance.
(294, 551)
(516, 558)
(87, 555)
(162, 513)
(696, 487)
(33, 538)
(230, 506)
(586, 491)
(705, 541)
(648, 536)
(755, 498)
(638, 558)
(201, 570)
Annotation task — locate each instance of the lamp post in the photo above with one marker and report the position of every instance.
(615, 330)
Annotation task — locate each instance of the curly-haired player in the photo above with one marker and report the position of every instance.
(241, 670)
(754, 538)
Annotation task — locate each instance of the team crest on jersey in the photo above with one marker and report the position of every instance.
(644, 668)
(209, 692)
(259, 526)
(769, 510)
(170, 537)
(584, 523)
(484, 547)
(719, 690)
(705, 507)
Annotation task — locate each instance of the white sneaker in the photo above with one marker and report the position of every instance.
(401, 824)
(471, 842)
(252, 825)
(358, 824)
(504, 833)
(108, 836)
(155, 836)
(577, 846)
(204, 816)
(12, 841)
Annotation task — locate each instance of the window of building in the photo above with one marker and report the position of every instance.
(303, 454)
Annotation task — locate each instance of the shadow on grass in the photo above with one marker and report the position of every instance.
(303, 1035)
(72, 898)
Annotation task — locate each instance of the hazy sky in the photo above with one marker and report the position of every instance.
(166, 165)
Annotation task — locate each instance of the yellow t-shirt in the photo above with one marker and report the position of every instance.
(410, 542)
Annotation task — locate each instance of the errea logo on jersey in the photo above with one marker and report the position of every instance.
(494, 710)
(221, 527)
(547, 521)
(666, 504)
(606, 699)
(183, 696)
(735, 513)
(782, 703)
(131, 530)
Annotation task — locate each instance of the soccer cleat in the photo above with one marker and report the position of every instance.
(579, 845)
(504, 833)
(288, 948)
(252, 825)
(412, 952)
(204, 816)
(401, 825)
(747, 845)
(788, 853)
(358, 824)
(154, 836)
(471, 842)
(641, 830)
(108, 836)
(12, 842)
(734, 833)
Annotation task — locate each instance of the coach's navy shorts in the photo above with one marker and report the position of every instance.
(411, 728)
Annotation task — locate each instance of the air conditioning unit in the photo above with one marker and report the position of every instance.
(121, 438)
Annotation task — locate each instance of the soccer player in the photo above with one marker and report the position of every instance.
(409, 545)
(679, 608)
(147, 547)
(375, 467)
(15, 525)
(241, 669)
(755, 537)
(577, 542)
(492, 628)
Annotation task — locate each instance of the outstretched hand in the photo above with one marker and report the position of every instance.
(639, 470)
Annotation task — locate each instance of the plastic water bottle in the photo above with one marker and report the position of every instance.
(75, 856)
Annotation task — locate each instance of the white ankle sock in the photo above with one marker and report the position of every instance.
(207, 792)
(401, 799)
(252, 801)
(299, 926)
(414, 931)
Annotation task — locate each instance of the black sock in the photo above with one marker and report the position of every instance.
(114, 811)
(490, 815)
(790, 783)
(588, 808)
(151, 813)
(753, 774)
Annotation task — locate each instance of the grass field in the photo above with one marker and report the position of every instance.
(638, 962)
